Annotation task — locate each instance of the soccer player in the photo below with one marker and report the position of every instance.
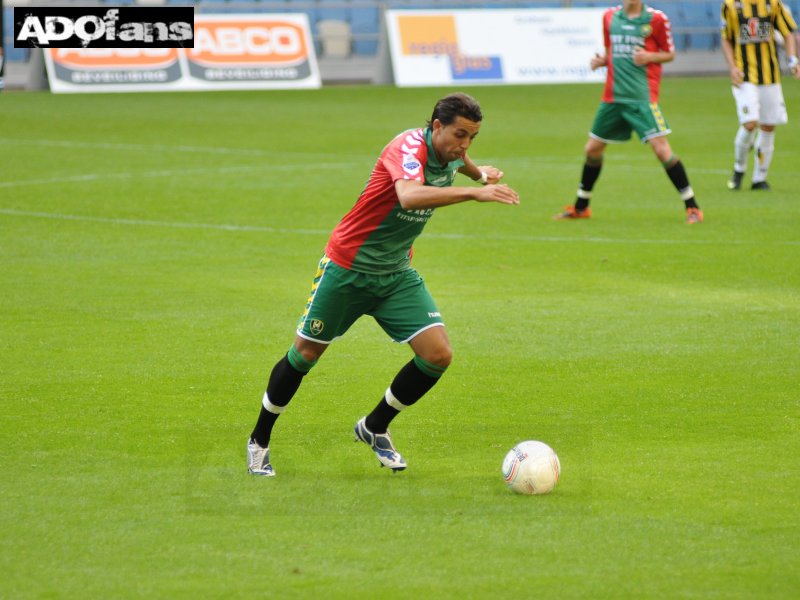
(366, 270)
(637, 41)
(748, 43)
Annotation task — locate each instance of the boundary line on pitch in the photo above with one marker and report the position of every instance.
(454, 236)
(126, 146)
(549, 161)
(166, 173)
(88, 177)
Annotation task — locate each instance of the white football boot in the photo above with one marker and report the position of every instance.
(258, 460)
(381, 444)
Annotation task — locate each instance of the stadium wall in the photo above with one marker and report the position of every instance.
(350, 41)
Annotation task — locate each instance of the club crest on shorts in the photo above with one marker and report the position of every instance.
(316, 326)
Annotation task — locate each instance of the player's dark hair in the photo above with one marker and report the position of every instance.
(456, 105)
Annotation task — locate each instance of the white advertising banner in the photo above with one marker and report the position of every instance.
(486, 46)
(231, 52)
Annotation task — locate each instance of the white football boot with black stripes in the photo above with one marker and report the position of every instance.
(381, 444)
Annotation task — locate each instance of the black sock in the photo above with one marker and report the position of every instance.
(677, 175)
(591, 171)
(581, 204)
(263, 429)
(283, 384)
(409, 385)
(380, 417)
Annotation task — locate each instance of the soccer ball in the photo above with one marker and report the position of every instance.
(531, 468)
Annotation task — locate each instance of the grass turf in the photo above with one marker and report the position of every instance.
(157, 249)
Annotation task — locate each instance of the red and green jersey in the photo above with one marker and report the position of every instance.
(377, 234)
(627, 82)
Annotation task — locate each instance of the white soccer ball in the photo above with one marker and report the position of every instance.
(531, 468)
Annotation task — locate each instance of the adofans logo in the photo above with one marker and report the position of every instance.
(126, 27)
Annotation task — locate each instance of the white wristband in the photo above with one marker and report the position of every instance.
(792, 62)
(484, 177)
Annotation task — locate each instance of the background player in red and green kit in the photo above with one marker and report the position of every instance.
(637, 41)
(366, 270)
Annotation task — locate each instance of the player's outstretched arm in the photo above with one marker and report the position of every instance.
(413, 195)
(497, 192)
(485, 174)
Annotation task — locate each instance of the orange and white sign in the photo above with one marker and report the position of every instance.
(231, 52)
(227, 42)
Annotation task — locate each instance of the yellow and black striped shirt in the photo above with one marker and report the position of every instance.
(749, 25)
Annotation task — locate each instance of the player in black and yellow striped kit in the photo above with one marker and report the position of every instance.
(748, 43)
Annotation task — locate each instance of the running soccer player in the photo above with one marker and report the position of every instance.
(366, 270)
(637, 41)
(748, 43)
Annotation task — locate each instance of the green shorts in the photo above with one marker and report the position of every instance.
(614, 122)
(399, 302)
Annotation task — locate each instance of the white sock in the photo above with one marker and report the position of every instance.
(741, 148)
(275, 410)
(765, 146)
(392, 401)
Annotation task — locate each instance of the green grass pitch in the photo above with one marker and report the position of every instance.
(156, 251)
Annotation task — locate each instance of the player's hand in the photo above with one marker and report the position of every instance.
(597, 61)
(794, 66)
(641, 56)
(497, 192)
(493, 174)
(737, 76)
